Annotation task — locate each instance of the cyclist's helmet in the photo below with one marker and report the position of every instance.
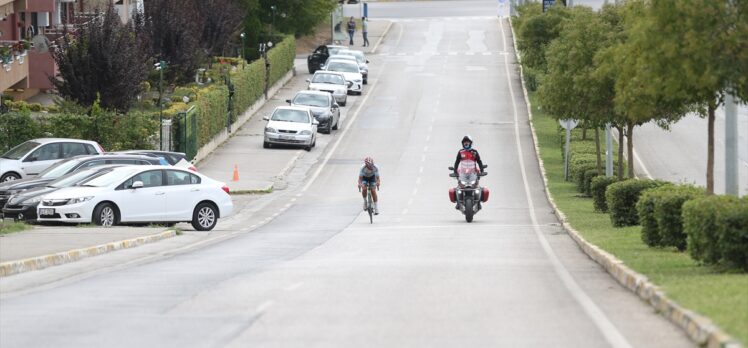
(467, 139)
(369, 162)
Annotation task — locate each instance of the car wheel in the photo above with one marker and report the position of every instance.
(343, 103)
(265, 145)
(205, 217)
(337, 124)
(328, 130)
(366, 82)
(9, 177)
(105, 215)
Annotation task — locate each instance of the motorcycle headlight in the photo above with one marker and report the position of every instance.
(79, 200)
(305, 132)
(270, 130)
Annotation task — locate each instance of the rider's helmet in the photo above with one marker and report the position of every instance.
(467, 142)
(369, 162)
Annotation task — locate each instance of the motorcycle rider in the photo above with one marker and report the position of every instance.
(467, 153)
(368, 176)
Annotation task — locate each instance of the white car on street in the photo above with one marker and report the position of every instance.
(351, 71)
(32, 157)
(331, 82)
(140, 194)
(291, 125)
(363, 63)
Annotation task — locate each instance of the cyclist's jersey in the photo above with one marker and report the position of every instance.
(369, 174)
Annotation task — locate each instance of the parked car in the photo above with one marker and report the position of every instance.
(363, 63)
(351, 72)
(71, 165)
(339, 56)
(176, 159)
(22, 206)
(140, 194)
(331, 82)
(315, 60)
(32, 157)
(291, 125)
(323, 106)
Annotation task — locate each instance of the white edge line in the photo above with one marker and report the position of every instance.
(611, 333)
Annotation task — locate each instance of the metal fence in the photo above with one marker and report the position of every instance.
(185, 132)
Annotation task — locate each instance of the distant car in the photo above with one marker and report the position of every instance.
(339, 56)
(351, 71)
(323, 106)
(331, 82)
(32, 157)
(140, 194)
(315, 60)
(70, 165)
(363, 63)
(22, 206)
(176, 159)
(291, 125)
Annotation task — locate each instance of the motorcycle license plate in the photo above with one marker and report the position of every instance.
(46, 211)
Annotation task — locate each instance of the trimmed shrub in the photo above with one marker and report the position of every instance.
(701, 225)
(733, 236)
(587, 180)
(667, 211)
(531, 78)
(621, 198)
(17, 127)
(645, 207)
(580, 163)
(281, 59)
(598, 185)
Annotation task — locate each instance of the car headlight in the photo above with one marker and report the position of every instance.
(357, 80)
(79, 200)
(270, 130)
(31, 201)
(349, 83)
(305, 132)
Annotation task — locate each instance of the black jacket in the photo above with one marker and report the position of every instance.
(475, 155)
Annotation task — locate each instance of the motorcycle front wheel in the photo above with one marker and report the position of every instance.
(469, 209)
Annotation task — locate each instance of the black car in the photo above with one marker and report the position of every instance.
(317, 59)
(22, 206)
(70, 165)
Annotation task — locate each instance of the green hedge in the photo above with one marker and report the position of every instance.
(621, 198)
(17, 127)
(281, 58)
(667, 211)
(733, 237)
(717, 229)
(598, 186)
(249, 85)
(587, 181)
(645, 207)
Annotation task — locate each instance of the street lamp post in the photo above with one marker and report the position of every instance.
(244, 39)
(160, 66)
(272, 26)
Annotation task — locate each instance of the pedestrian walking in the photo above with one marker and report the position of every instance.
(351, 29)
(365, 30)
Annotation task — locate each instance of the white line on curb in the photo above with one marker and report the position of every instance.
(611, 333)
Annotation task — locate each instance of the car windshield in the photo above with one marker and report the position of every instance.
(59, 169)
(309, 99)
(358, 55)
(20, 150)
(113, 177)
(467, 171)
(286, 115)
(328, 78)
(333, 50)
(76, 177)
(343, 67)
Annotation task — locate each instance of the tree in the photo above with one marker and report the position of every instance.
(221, 20)
(689, 52)
(102, 58)
(536, 33)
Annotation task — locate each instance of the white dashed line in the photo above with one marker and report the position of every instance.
(452, 53)
(293, 286)
(405, 211)
(264, 306)
(486, 53)
(420, 170)
(469, 53)
(418, 181)
(425, 149)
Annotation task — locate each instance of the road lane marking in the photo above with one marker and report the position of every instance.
(293, 287)
(405, 211)
(428, 137)
(410, 201)
(611, 333)
(420, 170)
(423, 158)
(425, 149)
(418, 181)
(264, 306)
(473, 226)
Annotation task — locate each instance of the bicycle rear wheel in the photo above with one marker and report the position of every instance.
(370, 206)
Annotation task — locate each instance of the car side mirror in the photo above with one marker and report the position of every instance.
(367, 61)
(452, 175)
(308, 80)
(335, 105)
(322, 66)
(137, 185)
(288, 101)
(265, 118)
(451, 168)
(315, 122)
(31, 159)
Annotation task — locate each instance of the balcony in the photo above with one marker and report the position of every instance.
(14, 70)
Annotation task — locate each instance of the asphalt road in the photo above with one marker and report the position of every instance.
(314, 272)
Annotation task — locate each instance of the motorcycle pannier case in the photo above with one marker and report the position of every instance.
(452, 195)
(484, 194)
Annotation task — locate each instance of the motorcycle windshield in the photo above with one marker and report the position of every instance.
(467, 171)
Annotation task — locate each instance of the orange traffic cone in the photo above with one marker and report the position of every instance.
(236, 173)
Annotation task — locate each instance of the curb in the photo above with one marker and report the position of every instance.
(384, 33)
(699, 329)
(36, 263)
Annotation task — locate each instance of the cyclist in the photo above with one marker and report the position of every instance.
(368, 176)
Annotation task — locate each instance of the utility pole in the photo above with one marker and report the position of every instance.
(731, 146)
(608, 151)
(160, 66)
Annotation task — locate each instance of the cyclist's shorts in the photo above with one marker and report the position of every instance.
(370, 181)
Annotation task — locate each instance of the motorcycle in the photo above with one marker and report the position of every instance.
(468, 194)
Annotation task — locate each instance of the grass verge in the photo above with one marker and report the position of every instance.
(12, 227)
(722, 297)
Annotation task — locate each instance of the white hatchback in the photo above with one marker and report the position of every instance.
(291, 125)
(34, 156)
(140, 194)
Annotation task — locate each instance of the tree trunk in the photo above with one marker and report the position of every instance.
(597, 152)
(584, 131)
(710, 151)
(630, 148)
(620, 152)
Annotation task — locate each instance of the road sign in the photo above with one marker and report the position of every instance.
(568, 124)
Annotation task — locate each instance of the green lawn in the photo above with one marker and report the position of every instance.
(723, 297)
(11, 227)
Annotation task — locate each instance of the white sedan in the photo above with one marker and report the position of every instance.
(140, 194)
